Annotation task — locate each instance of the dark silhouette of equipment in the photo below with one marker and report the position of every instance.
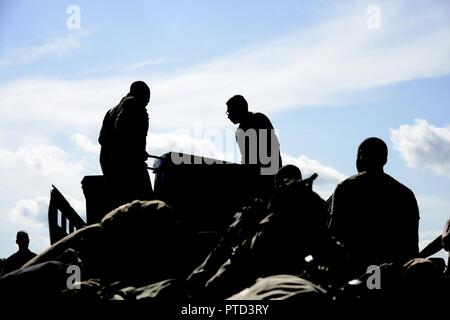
(62, 218)
(207, 192)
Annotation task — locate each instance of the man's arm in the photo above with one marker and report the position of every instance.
(272, 143)
(105, 130)
(337, 223)
(412, 227)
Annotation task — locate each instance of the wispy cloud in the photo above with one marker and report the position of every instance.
(145, 63)
(317, 66)
(131, 67)
(423, 145)
(55, 47)
(99, 70)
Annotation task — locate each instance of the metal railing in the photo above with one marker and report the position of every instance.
(62, 218)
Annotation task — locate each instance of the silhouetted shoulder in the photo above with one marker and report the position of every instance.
(353, 180)
(126, 105)
(261, 120)
(398, 185)
(356, 177)
(402, 191)
(130, 115)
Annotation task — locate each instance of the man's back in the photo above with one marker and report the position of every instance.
(123, 133)
(256, 120)
(376, 218)
(250, 149)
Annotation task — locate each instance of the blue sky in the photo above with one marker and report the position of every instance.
(323, 75)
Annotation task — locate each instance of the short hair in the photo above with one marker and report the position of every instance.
(374, 150)
(139, 87)
(22, 235)
(239, 102)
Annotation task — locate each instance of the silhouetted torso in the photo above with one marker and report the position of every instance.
(376, 218)
(123, 155)
(17, 260)
(123, 135)
(296, 228)
(257, 121)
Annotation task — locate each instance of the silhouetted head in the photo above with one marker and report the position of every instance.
(22, 240)
(372, 155)
(286, 174)
(141, 92)
(237, 109)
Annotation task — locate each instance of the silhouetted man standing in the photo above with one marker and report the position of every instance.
(373, 215)
(18, 259)
(123, 147)
(255, 136)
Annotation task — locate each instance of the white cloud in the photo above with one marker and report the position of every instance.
(434, 212)
(31, 215)
(54, 105)
(423, 145)
(30, 211)
(309, 166)
(328, 177)
(41, 159)
(56, 47)
(85, 144)
(29, 172)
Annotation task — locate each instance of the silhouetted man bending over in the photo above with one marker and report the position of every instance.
(255, 136)
(123, 142)
(18, 259)
(373, 215)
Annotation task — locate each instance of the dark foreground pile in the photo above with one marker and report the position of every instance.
(145, 251)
